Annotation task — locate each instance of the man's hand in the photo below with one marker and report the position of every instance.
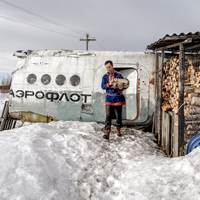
(120, 86)
(111, 83)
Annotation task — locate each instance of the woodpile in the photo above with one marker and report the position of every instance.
(171, 100)
(170, 91)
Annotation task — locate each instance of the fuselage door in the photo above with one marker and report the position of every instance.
(130, 110)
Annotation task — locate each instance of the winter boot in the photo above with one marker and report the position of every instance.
(107, 134)
(118, 132)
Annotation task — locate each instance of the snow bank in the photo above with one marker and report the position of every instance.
(69, 160)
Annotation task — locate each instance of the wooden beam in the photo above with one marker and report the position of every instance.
(181, 120)
(170, 38)
(4, 115)
(160, 72)
(192, 47)
(166, 135)
(192, 122)
(174, 138)
(156, 97)
(188, 40)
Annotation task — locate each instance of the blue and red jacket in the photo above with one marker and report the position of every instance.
(114, 97)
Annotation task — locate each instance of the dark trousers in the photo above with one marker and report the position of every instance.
(117, 110)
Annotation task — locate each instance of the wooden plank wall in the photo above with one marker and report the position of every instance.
(169, 136)
(175, 147)
(166, 133)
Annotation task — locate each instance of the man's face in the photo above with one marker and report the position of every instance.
(109, 68)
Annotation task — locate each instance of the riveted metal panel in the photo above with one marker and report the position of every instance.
(84, 101)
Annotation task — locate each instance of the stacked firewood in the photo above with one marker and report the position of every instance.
(170, 91)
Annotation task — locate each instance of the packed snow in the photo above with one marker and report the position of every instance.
(70, 161)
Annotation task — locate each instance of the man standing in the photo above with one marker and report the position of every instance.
(114, 98)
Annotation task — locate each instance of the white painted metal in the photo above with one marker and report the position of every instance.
(89, 66)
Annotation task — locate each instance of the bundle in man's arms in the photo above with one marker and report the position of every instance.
(116, 82)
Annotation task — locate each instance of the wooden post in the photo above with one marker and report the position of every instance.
(174, 136)
(87, 40)
(166, 136)
(181, 119)
(87, 37)
(156, 97)
(160, 72)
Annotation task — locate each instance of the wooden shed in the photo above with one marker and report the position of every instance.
(177, 91)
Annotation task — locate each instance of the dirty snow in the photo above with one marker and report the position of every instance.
(70, 161)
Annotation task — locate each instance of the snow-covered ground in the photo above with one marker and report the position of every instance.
(71, 161)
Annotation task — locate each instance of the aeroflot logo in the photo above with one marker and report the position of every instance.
(51, 96)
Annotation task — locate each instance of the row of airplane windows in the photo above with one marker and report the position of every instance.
(60, 79)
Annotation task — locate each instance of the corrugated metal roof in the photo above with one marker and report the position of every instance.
(172, 39)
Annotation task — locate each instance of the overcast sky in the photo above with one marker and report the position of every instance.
(117, 25)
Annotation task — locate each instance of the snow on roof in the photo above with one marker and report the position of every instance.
(56, 53)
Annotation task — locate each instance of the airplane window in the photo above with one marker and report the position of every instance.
(31, 78)
(60, 79)
(46, 79)
(74, 80)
